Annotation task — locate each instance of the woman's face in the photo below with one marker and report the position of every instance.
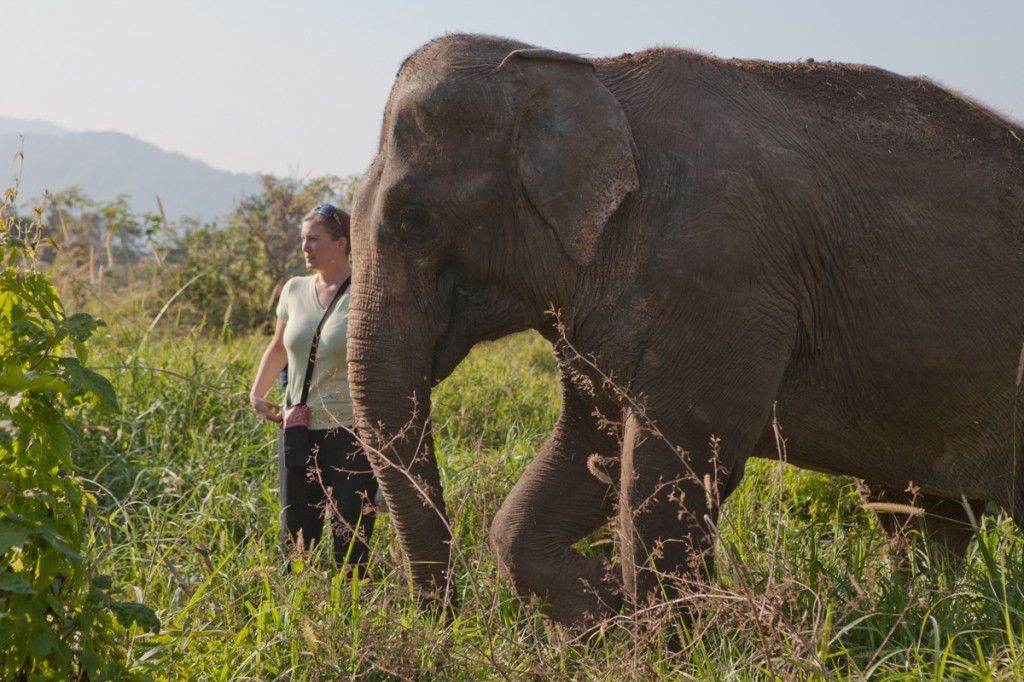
(319, 249)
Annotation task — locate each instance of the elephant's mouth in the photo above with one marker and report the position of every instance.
(477, 313)
(450, 350)
(456, 339)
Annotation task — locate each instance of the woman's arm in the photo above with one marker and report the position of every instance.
(275, 357)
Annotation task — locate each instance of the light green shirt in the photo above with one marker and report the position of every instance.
(330, 403)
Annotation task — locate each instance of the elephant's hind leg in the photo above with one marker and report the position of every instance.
(667, 496)
(944, 521)
(557, 502)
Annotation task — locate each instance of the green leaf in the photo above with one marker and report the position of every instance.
(12, 534)
(59, 544)
(49, 566)
(82, 325)
(129, 612)
(85, 380)
(12, 582)
(103, 582)
(16, 380)
(53, 435)
(41, 643)
(21, 529)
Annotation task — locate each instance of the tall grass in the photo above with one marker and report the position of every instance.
(807, 586)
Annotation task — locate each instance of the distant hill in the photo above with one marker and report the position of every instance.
(17, 126)
(105, 165)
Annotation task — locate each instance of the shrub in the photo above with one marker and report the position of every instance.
(60, 618)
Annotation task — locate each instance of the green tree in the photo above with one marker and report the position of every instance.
(119, 222)
(273, 216)
(232, 274)
(70, 220)
(84, 227)
(222, 279)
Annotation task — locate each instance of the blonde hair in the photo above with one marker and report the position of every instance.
(334, 220)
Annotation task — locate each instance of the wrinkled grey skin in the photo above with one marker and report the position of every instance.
(720, 238)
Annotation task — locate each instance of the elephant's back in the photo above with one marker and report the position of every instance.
(904, 115)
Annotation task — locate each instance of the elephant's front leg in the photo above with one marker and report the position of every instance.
(557, 502)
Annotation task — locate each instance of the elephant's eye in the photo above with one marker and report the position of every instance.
(415, 223)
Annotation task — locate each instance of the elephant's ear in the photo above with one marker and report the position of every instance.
(574, 146)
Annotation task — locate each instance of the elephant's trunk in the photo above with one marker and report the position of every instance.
(390, 384)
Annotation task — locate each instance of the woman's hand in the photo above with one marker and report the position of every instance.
(266, 408)
(275, 357)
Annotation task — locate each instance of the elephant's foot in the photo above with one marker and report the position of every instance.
(574, 591)
(440, 605)
(435, 590)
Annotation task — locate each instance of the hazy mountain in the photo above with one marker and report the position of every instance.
(17, 126)
(105, 165)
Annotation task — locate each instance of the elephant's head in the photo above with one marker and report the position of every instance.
(498, 170)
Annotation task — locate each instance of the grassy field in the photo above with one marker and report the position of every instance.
(807, 586)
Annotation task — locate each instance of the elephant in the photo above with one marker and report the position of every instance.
(712, 247)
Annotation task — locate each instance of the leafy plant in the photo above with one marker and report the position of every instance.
(60, 618)
(222, 280)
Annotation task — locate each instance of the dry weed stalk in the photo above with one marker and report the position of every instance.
(382, 461)
(788, 648)
(747, 603)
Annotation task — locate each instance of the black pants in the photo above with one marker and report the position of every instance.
(337, 482)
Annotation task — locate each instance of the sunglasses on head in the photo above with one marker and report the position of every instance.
(326, 210)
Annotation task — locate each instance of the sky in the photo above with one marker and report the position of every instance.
(297, 88)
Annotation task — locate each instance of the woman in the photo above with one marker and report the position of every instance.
(336, 477)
